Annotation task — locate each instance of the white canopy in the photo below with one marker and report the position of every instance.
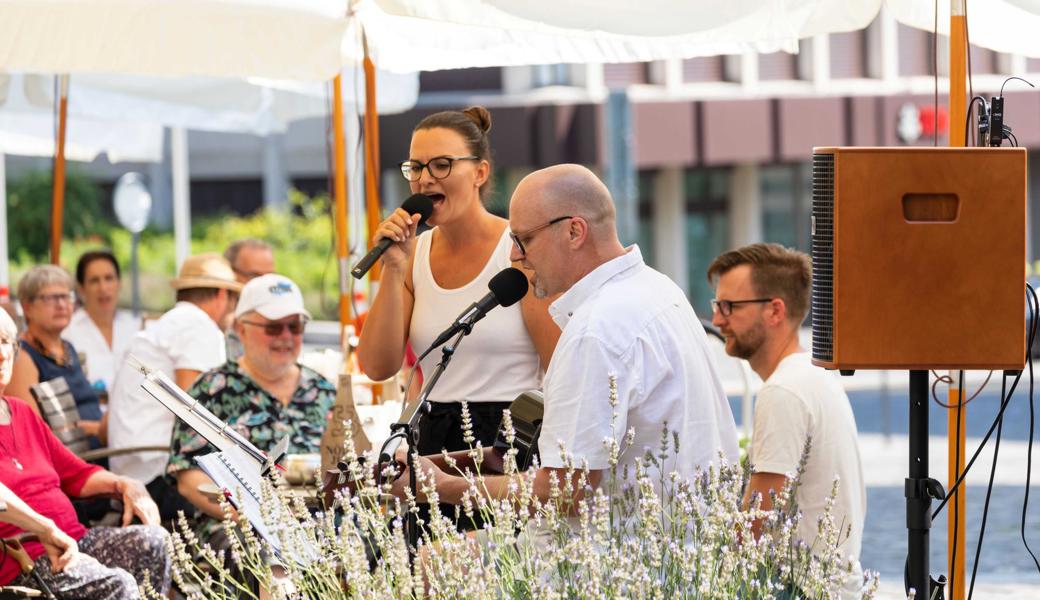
(428, 35)
(280, 39)
(309, 40)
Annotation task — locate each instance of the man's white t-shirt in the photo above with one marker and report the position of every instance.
(801, 400)
(183, 338)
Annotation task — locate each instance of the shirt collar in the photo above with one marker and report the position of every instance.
(564, 307)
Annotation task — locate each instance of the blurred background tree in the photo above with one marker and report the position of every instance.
(29, 213)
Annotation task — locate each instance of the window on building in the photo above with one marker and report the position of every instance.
(452, 80)
(848, 55)
(621, 75)
(777, 66)
(704, 68)
(547, 75)
(707, 230)
(786, 204)
(916, 52)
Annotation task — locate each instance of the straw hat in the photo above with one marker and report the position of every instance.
(206, 271)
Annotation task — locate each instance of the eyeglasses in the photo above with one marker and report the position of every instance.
(439, 167)
(275, 329)
(725, 307)
(55, 299)
(530, 233)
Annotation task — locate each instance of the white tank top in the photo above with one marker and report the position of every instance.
(494, 363)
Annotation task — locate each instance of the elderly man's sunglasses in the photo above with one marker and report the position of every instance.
(275, 329)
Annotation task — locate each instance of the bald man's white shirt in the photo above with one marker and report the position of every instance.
(629, 321)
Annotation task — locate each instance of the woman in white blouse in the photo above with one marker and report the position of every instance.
(99, 331)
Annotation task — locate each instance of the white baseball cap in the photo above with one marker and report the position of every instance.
(273, 296)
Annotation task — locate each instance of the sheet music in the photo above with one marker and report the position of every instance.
(237, 468)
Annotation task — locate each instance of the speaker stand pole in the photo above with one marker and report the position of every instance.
(919, 490)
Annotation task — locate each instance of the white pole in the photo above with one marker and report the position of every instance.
(5, 267)
(181, 194)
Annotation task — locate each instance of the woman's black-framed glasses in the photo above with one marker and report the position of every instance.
(725, 307)
(527, 234)
(439, 167)
(275, 329)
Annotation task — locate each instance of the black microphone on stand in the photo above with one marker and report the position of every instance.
(415, 204)
(507, 287)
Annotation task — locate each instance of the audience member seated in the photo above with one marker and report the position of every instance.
(38, 474)
(249, 258)
(98, 329)
(185, 342)
(265, 396)
(45, 292)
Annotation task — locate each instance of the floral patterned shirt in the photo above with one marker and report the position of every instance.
(234, 397)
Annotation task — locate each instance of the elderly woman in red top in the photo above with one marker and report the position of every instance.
(100, 563)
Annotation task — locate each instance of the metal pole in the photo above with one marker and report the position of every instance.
(135, 287)
(58, 189)
(181, 194)
(918, 503)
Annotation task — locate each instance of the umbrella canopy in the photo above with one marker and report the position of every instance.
(429, 35)
(280, 39)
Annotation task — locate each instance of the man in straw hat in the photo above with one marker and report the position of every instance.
(185, 342)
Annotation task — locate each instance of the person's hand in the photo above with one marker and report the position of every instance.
(399, 227)
(91, 428)
(433, 475)
(137, 501)
(61, 549)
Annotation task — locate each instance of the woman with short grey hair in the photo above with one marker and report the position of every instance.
(45, 293)
(37, 474)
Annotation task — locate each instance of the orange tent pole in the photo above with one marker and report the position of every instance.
(373, 207)
(956, 510)
(58, 189)
(339, 169)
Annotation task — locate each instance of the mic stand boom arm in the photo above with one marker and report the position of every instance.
(407, 428)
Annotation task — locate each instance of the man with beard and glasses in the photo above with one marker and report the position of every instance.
(761, 299)
(265, 396)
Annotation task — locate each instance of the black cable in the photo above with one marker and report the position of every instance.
(1014, 140)
(989, 494)
(968, 119)
(1034, 306)
(957, 469)
(960, 480)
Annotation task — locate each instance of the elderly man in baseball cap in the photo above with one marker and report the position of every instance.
(266, 395)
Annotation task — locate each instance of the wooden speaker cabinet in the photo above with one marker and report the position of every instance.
(919, 258)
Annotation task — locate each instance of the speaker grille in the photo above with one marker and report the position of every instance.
(823, 257)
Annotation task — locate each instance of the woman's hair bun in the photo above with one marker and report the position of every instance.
(480, 116)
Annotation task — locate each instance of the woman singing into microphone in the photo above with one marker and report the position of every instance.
(429, 279)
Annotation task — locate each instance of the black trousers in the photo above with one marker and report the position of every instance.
(441, 429)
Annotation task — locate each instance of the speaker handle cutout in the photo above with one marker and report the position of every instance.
(931, 208)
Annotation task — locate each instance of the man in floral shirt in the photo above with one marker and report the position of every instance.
(266, 395)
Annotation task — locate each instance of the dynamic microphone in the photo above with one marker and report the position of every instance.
(507, 288)
(415, 204)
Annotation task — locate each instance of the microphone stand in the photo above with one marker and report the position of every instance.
(407, 428)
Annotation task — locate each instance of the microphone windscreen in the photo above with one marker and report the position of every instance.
(418, 204)
(509, 286)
